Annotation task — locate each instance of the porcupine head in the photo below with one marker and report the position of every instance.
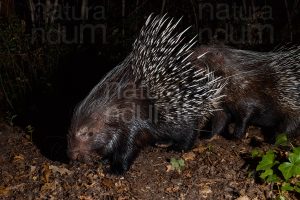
(154, 89)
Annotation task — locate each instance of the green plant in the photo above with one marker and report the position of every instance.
(177, 164)
(30, 129)
(280, 166)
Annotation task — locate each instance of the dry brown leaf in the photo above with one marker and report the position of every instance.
(49, 186)
(81, 197)
(107, 183)
(46, 172)
(32, 169)
(123, 198)
(169, 190)
(169, 168)
(19, 157)
(243, 198)
(60, 170)
(4, 191)
(172, 189)
(187, 173)
(199, 149)
(205, 191)
(189, 156)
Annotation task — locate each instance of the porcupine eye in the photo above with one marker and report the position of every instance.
(90, 134)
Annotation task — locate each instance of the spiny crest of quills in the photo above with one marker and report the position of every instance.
(286, 63)
(160, 59)
(99, 97)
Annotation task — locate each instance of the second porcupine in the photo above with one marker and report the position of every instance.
(156, 94)
(263, 89)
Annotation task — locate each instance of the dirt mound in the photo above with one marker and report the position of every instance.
(214, 169)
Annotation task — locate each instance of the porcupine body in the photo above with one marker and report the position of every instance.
(263, 89)
(156, 94)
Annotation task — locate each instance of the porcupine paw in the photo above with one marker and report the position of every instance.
(238, 135)
(178, 148)
(184, 145)
(220, 124)
(164, 143)
(117, 168)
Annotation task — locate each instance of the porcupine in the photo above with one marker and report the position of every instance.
(263, 89)
(156, 94)
(185, 92)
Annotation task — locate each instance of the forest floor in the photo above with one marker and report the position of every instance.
(214, 169)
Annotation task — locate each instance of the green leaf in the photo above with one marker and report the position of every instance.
(181, 162)
(287, 187)
(294, 158)
(292, 168)
(267, 161)
(296, 150)
(297, 189)
(282, 140)
(296, 170)
(177, 164)
(286, 169)
(256, 153)
(272, 178)
(266, 173)
(281, 197)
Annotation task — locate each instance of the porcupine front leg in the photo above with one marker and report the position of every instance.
(185, 141)
(220, 123)
(128, 149)
(242, 122)
(122, 158)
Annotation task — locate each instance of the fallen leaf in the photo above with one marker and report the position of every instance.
(187, 173)
(199, 149)
(243, 198)
(189, 156)
(60, 170)
(49, 187)
(169, 168)
(19, 157)
(172, 189)
(107, 183)
(4, 191)
(46, 172)
(205, 191)
(123, 198)
(32, 169)
(85, 197)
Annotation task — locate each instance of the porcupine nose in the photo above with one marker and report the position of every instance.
(73, 155)
(79, 156)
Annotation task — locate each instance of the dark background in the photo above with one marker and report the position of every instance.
(49, 62)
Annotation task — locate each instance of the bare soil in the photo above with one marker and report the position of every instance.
(214, 169)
